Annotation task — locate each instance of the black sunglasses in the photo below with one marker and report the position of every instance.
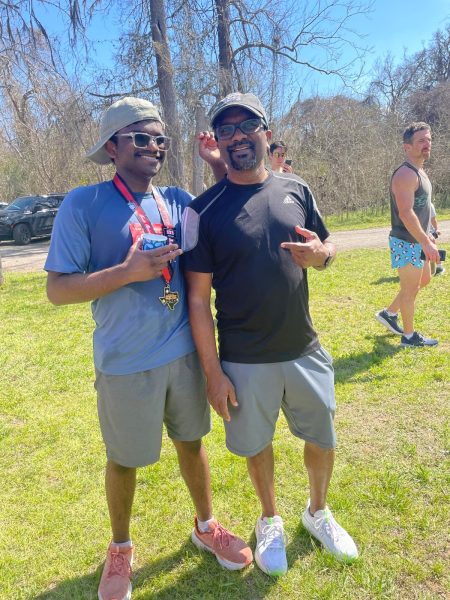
(226, 131)
(143, 140)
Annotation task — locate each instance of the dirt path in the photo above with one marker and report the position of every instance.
(32, 257)
(24, 258)
(376, 237)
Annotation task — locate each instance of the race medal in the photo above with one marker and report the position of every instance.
(170, 299)
(151, 233)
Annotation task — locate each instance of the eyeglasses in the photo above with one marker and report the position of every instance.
(226, 131)
(143, 140)
(279, 154)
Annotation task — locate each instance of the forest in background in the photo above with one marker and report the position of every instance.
(184, 56)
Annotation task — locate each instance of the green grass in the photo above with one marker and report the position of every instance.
(389, 489)
(360, 219)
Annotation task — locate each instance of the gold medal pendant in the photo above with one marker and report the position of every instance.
(170, 299)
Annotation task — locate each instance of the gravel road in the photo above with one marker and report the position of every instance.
(32, 257)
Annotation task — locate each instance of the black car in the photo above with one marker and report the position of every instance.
(29, 216)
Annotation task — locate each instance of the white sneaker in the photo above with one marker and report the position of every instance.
(270, 553)
(327, 530)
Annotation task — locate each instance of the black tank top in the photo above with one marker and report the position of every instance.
(422, 207)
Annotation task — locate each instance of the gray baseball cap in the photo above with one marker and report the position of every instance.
(122, 113)
(248, 101)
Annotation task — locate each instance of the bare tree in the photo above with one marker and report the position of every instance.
(167, 88)
(225, 45)
(345, 149)
(393, 83)
(46, 121)
(438, 57)
(250, 40)
(225, 54)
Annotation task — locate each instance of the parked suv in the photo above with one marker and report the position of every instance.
(29, 216)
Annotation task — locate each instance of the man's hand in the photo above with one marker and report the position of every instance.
(431, 251)
(207, 147)
(311, 253)
(220, 390)
(210, 153)
(143, 265)
(287, 168)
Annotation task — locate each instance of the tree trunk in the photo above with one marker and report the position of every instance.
(223, 39)
(167, 90)
(198, 165)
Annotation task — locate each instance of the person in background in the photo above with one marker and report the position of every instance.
(436, 269)
(410, 234)
(278, 157)
(147, 371)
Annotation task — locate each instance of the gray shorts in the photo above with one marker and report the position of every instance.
(302, 388)
(133, 408)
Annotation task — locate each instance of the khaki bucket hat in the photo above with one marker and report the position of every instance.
(122, 113)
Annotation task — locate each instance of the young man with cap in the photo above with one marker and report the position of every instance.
(147, 371)
(252, 237)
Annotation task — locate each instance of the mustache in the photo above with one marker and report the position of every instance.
(239, 143)
(158, 155)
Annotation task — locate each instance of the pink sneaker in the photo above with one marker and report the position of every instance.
(115, 583)
(231, 552)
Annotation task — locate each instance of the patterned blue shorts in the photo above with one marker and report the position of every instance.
(403, 252)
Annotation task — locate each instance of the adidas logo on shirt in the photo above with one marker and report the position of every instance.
(288, 200)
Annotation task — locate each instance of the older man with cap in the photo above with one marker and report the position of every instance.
(147, 370)
(252, 237)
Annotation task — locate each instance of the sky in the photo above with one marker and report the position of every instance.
(392, 26)
(398, 24)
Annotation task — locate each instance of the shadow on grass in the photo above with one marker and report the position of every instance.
(348, 366)
(248, 583)
(392, 279)
(299, 545)
(192, 584)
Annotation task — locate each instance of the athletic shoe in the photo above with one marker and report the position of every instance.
(231, 552)
(270, 553)
(418, 340)
(440, 270)
(115, 583)
(324, 527)
(390, 322)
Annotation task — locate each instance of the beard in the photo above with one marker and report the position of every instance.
(245, 163)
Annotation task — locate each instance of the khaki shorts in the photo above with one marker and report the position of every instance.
(133, 408)
(302, 388)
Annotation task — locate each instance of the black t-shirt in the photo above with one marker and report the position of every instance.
(261, 294)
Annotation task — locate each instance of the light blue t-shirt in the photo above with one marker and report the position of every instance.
(134, 331)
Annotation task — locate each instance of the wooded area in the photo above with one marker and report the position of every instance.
(183, 56)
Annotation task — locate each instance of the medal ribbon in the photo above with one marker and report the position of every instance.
(147, 226)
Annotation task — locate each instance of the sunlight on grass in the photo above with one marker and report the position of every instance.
(390, 485)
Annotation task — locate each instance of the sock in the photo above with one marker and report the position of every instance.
(269, 520)
(204, 525)
(408, 336)
(391, 314)
(123, 544)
